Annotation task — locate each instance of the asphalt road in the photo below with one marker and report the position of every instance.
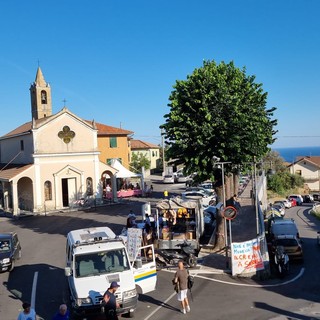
(215, 296)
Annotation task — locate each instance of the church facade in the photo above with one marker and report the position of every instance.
(51, 162)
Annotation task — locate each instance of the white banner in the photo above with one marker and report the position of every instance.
(246, 257)
(134, 242)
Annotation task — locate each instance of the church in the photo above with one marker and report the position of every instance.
(51, 162)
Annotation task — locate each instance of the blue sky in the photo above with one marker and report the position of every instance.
(116, 61)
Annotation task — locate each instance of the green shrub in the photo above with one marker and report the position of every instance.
(282, 181)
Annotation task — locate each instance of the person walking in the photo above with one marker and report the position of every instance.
(28, 313)
(110, 303)
(62, 314)
(181, 278)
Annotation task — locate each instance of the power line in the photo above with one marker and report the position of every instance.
(297, 137)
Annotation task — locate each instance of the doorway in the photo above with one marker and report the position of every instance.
(68, 191)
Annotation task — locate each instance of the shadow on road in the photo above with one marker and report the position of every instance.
(278, 311)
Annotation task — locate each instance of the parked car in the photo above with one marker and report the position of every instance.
(207, 185)
(298, 198)
(280, 227)
(10, 250)
(280, 207)
(209, 219)
(206, 199)
(308, 198)
(180, 178)
(287, 204)
(201, 189)
(168, 178)
(293, 202)
(292, 245)
(189, 181)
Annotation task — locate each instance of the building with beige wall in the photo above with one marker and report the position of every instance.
(309, 169)
(149, 150)
(53, 161)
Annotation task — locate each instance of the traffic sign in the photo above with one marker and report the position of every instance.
(229, 212)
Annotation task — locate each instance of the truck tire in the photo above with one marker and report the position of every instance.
(192, 261)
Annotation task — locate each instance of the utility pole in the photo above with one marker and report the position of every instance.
(163, 155)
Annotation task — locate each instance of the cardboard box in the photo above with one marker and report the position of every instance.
(190, 235)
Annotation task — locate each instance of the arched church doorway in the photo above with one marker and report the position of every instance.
(25, 194)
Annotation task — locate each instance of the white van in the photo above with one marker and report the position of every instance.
(94, 258)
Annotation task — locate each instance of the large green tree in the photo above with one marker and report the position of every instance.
(218, 111)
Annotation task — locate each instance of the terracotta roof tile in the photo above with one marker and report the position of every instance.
(138, 144)
(19, 130)
(11, 170)
(312, 159)
(103, 129)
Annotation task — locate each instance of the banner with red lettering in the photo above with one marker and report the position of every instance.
(246, 257)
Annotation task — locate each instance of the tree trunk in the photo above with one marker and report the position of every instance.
(220, 232)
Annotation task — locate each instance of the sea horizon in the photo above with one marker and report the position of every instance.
(290, 154)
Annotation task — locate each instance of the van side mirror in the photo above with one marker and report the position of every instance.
(67, 271)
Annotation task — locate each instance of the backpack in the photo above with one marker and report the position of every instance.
(190, 281)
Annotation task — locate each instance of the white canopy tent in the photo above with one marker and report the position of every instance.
(122, 171)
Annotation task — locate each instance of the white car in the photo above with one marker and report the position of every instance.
(168, 178)
(202, 190)
(180, 178)
(207, 185)
(206, 199)
(286, 202)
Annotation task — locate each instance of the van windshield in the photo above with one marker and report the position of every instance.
(5, 245)
(96, 263)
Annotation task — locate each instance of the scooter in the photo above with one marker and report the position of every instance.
(172, 257)
(281, 261)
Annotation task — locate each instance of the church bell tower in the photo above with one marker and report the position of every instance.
(40, 92)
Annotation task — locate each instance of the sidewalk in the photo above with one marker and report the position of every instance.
(243, 228)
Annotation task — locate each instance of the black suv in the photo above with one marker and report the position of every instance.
(10, 250)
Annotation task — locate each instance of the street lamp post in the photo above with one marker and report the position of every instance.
(163, 153)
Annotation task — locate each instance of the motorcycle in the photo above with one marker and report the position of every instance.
(187, 254)
(281, 261)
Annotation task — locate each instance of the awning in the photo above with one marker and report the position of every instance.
(122, 171)
(176, 203)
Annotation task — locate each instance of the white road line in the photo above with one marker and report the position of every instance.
(162, 304)
(256, 285)
(158, 308)
(230, 283)
(246, 285)
(34, 290)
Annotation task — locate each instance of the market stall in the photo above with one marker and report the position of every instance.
(178, 220)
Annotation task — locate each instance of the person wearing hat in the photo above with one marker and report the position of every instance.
(110, 303)
(131, 220)
(28, 313)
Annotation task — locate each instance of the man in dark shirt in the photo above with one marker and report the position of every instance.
(110, 303)
(181, 277)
